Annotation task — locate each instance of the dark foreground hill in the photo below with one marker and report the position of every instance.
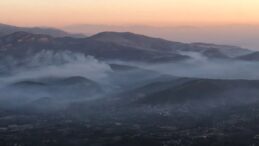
(163, 115)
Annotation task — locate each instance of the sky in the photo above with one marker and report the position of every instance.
(233, 22)
(60, 13)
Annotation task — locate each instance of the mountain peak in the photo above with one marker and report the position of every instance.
(111, 34)
(130, 39)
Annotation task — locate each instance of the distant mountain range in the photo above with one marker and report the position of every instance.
(235, 34)
(117, 46)
(8, 29)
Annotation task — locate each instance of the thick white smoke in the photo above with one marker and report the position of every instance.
(58, 64)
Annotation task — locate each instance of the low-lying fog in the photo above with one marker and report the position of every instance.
(67, 76)
(66, 64)
(202, 67)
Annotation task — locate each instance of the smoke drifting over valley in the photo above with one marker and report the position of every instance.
(129, 84)
(44, 72)
(199, 66)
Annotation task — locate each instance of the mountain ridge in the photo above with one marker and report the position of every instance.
(9, 29)
(118, 45)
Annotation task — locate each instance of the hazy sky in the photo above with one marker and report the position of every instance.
(128, 12)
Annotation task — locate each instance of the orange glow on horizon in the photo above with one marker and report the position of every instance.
(60, 13)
